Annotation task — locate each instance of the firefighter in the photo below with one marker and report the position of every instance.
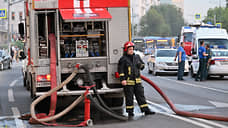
(202, 64)
(129, 69)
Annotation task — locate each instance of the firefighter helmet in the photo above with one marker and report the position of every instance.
(127, 45)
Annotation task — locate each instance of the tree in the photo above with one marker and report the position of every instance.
(173, 17)
(218, 15)
(163, 20)
(153, 24)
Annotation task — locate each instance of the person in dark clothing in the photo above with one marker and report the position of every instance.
(208, 60)
(181, 61)
(129, 67)
(202, 64)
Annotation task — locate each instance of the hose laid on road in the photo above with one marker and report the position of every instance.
(34, 103)
(179, 112)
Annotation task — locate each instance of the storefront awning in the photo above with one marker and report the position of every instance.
(85, 14)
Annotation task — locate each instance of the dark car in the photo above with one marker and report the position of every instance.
(5, 60)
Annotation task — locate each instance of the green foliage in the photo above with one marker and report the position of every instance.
(218, 14)
(19, 44)
(163, 20)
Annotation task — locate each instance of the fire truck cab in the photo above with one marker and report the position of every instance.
(89, 32)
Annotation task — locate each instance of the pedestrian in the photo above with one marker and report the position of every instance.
(202, 62)
(129, 67)
(181, 61)
(208, 60)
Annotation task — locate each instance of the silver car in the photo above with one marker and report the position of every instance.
(162, 61)
(5, 60)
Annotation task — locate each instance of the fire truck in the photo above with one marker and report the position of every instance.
(87, 32)
(186, 38)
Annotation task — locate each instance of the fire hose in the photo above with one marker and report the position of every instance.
(69, 108)
(179, 112)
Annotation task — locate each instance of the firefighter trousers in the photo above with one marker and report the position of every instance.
(138, 91)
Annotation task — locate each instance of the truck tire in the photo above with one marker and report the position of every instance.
(32, 93)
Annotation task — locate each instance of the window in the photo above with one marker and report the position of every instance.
(5, 0)
(13, 15)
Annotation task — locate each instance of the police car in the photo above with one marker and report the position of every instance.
(162, 61)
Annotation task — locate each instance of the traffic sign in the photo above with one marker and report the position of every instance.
(197, 16)
(218, 25)
(3, 13)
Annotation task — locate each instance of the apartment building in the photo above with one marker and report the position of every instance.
(16, 15)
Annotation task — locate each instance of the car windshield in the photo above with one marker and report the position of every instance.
(188, 37)
(166, 53)
(216, 43)
(219, 53)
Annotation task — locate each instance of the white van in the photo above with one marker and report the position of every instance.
(218, 41)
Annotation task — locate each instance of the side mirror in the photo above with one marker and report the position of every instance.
(193, 51)
(3, 57)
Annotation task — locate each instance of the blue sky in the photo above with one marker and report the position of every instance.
(191, 7)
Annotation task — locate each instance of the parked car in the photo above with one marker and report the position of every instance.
(5, 60)
(162, 61)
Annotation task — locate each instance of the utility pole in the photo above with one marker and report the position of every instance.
(8, 12)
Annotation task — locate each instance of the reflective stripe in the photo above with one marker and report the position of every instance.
(138, 80)
(122, 74)
(130, 82)
(129, 70)
(129, 107)
(144, 105)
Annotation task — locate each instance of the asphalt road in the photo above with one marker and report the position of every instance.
(209, 97)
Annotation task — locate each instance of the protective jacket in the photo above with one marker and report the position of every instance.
(129, 67)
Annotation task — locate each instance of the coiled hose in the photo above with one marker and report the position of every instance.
(182, 113)
(69, 108)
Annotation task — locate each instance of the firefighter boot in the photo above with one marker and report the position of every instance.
(149, 112)
(130, 116)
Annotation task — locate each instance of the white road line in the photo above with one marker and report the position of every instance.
(188, 120)
(198, 86)
(211, 123)
(10, 95)
(13, 83)
(179, 117)
(19, 123)
(176, 116)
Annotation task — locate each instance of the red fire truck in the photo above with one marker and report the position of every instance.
(89, 32)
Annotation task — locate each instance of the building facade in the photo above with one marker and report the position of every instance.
(16, 15)
(3, 23)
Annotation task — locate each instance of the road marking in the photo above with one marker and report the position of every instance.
(211, 123)
(19, 123)
(10, 95)
(13, 83)
(219, 104)
(198, 86)
(179, 117)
